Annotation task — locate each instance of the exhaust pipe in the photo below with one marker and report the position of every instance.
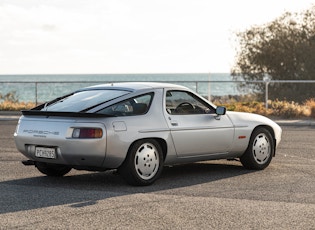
(28, 162)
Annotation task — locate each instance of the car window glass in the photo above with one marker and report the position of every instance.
(131, 107)
(185, 103)
(85, 99)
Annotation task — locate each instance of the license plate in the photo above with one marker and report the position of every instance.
(43, 152)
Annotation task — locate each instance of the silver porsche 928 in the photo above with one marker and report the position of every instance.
(138, 128)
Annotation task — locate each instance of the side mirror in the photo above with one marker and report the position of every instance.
(220, 110)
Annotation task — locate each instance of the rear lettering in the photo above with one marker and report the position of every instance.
(40, 132)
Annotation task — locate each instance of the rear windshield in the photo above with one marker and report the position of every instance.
(83, 100)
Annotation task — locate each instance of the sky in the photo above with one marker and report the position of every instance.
(128, 36)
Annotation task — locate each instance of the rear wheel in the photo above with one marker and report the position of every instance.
(260, 150)
(52, 169)
(143, 164)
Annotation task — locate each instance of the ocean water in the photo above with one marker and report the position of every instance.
(41, 88)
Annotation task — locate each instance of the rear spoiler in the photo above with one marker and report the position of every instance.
(63, 114)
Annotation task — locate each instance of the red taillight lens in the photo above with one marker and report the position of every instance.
(87, 133)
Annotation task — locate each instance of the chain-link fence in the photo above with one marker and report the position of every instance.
(40, 92)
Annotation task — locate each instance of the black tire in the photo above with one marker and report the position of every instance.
(143, 164)
(260, 150)
(53, 170)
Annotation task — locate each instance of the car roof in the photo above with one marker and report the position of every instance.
(133, 86)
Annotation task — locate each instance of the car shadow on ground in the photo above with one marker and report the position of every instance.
(78, 190)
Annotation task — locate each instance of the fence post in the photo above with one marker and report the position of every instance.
(36, 93)
(209, 87)
(267, 81)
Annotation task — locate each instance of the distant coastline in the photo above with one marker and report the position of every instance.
(44, 87)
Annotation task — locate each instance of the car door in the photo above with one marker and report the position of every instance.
(195, 127)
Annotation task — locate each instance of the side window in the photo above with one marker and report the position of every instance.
(185, 103)
(131, 107)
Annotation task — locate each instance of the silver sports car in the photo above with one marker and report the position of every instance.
(138, 128)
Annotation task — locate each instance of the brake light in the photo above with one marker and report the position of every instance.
(87, 133)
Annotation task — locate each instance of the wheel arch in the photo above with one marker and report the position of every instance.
(138, 172)
(272, 132)
(161, 142)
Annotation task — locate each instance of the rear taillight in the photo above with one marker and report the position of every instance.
(87, 133)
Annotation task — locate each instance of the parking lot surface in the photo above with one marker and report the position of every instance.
(206, 195)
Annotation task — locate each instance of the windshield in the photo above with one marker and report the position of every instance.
(83, 100)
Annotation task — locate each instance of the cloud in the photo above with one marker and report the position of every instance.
(75, 36)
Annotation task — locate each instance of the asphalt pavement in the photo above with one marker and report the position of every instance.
(206, 195)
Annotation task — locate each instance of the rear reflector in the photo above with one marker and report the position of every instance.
(87, 133)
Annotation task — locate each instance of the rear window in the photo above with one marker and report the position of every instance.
(133, 106)
(83, 100)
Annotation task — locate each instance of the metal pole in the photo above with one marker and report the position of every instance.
(36, 93)
(267, 80)
(209, 88)
(266, 95)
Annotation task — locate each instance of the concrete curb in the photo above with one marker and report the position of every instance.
(9, 115)
(295, 122)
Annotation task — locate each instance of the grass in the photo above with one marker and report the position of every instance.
(15, 106)
(280, 109)
(10, 102)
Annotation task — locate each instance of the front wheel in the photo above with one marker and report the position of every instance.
(260, 150)
(53, 170)
(143, 164)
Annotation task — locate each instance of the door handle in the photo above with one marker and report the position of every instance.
(173, 123)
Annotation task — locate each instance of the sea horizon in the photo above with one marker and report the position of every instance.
(44, 87)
